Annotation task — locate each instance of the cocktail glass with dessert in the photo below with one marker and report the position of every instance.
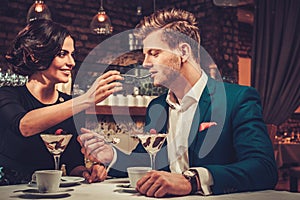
(56, 144)
(152, 142)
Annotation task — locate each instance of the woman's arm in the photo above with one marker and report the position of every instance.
(41, 119)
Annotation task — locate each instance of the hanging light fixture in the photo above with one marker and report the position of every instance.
(101, 24)
(38, 10)
(139, 8)
(226, 2)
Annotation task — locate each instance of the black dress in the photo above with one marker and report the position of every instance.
(21, 156)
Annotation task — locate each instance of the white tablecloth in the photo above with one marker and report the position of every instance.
(108, 190)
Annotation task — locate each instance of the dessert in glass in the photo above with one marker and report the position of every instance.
(152, 142)
(56, 144)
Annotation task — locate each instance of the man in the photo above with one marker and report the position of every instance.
(217, 141)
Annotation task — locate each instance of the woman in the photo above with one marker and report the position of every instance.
(43, 51)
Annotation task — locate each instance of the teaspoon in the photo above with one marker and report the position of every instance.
(137, 77)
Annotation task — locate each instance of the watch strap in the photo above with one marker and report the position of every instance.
(193, 180)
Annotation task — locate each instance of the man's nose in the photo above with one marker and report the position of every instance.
(147, 64)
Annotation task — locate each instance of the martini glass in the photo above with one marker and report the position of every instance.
(56, 144)
(152, 144)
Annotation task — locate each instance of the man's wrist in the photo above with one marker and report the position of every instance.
(192, 176)
(198, 180)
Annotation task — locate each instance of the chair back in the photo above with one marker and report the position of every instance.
(272, 129)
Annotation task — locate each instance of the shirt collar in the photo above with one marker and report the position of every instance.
(192, 96)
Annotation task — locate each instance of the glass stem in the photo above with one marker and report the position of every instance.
(152, 159)
(56, 161)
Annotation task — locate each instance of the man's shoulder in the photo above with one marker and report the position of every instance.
(233, 87)
(231, 91)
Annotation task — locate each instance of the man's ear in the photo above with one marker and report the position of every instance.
(185, 51)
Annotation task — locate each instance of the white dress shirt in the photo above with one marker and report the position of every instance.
(181, 114)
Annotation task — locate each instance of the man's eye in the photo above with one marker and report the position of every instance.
(154, 53)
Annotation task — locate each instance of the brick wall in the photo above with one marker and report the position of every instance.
(219, 27)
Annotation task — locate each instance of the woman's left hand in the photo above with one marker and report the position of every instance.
(96, 173)
(94, 147)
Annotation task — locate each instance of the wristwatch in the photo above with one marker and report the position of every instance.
(192, 176)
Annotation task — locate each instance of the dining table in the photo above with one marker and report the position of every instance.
(112, 189)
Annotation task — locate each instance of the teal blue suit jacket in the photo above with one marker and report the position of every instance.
(237, 151)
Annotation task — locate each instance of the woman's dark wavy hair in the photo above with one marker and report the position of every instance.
(35, 47)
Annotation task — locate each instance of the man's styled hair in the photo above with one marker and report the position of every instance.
(178, 26)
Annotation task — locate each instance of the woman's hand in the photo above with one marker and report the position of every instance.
(94, 147)
(96, 173)
(104, 86)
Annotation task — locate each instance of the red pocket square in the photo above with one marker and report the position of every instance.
(206, 125)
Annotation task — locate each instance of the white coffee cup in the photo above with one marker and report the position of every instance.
(136, 173)
(48, 180)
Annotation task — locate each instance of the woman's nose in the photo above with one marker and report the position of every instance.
(71, 61)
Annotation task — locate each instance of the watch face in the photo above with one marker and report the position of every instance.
(189, 173)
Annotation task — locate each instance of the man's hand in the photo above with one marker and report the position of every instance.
(160, 184)
(94, 147)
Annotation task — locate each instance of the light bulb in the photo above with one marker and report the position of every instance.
(101, 17)
(39, 7)
(139, 10)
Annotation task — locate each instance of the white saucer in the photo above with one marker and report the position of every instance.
(36, 193)
(65, 181)
(70, 180)
(126, 188)
(129, 190)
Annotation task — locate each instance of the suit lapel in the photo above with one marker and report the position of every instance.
(157, 115)
(201, 113)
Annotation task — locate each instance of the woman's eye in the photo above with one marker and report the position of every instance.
(62, 54)
(73, 55)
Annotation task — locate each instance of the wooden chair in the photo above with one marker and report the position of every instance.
(294, 173)
(272, 129)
